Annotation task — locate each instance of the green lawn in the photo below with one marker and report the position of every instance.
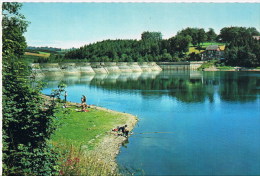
(78, 128)
(207, 65)
(193, 49)
(209, 43)
(225, 68)
(40, 52)
(86, 129)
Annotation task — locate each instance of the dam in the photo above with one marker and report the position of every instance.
(87, 68)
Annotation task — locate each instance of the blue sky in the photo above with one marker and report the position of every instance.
(67, 25)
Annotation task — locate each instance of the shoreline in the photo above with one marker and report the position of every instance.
(237, 69)
(89, 68)
(109, 147)
(233, 70)
(109, 144)
(93, 68)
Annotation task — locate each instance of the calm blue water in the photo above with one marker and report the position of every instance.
(215, 117)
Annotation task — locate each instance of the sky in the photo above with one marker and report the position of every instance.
(67, 25)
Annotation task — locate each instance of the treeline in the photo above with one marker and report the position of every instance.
(151, 47)
(46, 48)
(242, 48)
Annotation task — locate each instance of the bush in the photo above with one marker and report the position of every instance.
(37, 161)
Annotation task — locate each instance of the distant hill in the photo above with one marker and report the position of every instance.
(38, 54)
(44, 54)
(46, 48)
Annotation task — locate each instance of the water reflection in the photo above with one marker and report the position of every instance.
(239, 87)
(185, 86)
(214, 117)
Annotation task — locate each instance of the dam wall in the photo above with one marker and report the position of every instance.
(87, 68)
(194, 65)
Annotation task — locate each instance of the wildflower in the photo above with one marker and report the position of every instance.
(61, 172)
(69, 162)
(76, 159)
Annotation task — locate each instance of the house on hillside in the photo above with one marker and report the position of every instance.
(213, 52)
(256, 37)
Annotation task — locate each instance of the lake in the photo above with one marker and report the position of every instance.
(212, 119)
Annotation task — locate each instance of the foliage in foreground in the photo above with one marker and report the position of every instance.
(74, 161)
(27, 120)
(27, 126)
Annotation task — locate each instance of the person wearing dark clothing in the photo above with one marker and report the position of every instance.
(83, 102)
(124, 130)
(83, 99)
(65, 96)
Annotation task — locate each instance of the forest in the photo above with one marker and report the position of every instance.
(241, 48)
(151, 47)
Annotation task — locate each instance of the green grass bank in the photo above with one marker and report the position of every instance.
(85, 141)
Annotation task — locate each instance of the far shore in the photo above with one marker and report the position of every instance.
(86, 68)
(234, 69)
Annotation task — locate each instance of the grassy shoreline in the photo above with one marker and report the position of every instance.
(84, 140)
(215, 66)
